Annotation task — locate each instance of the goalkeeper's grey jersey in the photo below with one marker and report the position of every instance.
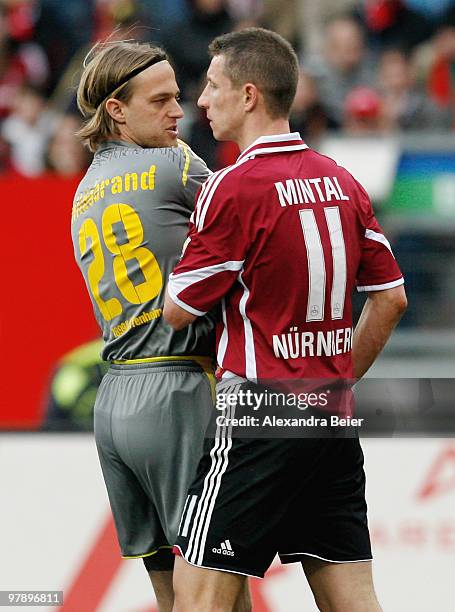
(129, 221)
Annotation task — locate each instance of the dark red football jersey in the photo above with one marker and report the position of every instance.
(281, 238)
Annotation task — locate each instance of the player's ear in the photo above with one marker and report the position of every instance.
(115, 108)
(250, 96)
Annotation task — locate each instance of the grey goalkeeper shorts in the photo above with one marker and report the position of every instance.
(150, 421)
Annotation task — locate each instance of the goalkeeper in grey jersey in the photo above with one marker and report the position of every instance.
(129, 221)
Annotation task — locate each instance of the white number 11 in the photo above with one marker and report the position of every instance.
(317, 267)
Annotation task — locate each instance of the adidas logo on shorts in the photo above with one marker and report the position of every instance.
(226, 549)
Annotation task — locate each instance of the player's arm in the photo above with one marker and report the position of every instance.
(380, 277)
(380, 315)
(195, 173)
(213, 256)
(175, 315)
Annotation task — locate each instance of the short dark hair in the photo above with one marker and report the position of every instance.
(264, 58)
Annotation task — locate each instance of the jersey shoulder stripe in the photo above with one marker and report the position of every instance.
(187, 147)
(372, 235)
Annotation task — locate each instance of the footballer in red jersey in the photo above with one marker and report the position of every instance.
(280, 239)
(283, 254)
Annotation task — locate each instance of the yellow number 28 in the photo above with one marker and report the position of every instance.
(132, 250)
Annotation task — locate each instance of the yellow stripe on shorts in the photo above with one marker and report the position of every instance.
(147, 554)
(206, 364)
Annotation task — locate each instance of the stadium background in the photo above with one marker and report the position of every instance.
(377, 93)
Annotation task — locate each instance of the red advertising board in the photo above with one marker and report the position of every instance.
(45, 310)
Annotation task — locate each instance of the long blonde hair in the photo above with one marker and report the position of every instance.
(107, 70)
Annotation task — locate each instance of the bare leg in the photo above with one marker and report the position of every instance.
(202, 590)
(164, 592)
(243, 601)
(342, 587)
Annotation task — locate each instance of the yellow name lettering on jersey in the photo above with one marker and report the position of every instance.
(121, 183)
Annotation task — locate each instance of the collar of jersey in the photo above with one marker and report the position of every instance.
(111, 144)
(275, 143)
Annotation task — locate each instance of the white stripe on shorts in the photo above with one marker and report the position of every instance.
(189, 514)
(212, 482)
(183, 513)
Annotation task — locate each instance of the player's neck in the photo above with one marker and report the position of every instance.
(121, 137)
(261, 126)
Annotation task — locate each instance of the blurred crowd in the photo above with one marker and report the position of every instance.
(367, 67)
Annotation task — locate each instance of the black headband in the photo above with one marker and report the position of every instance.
(130, 75)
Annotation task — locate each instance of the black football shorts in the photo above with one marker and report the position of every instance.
(253, 498)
